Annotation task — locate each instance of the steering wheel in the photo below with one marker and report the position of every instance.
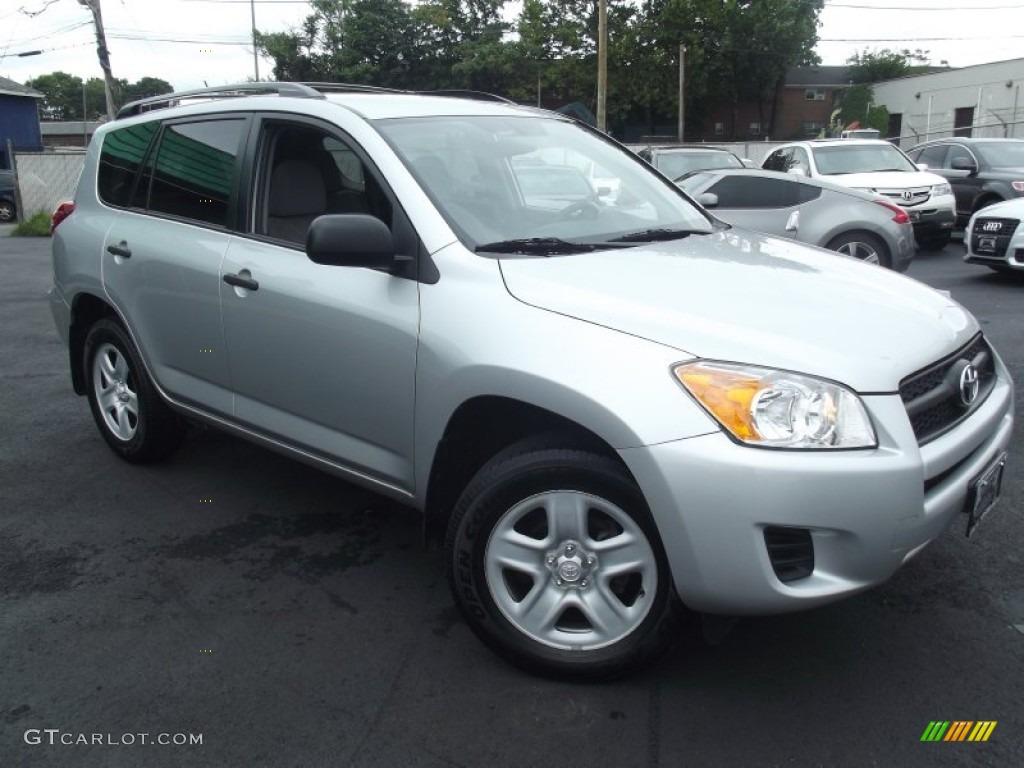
(581, 209)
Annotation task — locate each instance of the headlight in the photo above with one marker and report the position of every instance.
(942, 189)
(867, 189)
(778, 409)
(1018, 186)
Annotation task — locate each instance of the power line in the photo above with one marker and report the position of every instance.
(928, 9)
(914, 39)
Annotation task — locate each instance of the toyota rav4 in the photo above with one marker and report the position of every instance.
(609, 406)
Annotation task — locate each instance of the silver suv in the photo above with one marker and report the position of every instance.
(611, 406)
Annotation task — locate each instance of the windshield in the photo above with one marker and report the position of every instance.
(860, 158)
(676, 164)
(536, 180)
(1002, 155)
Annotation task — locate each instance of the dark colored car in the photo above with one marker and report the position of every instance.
(681, 159)
(7, 207)
(981, 171)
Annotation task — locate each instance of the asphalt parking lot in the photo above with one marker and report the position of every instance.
(290, 619)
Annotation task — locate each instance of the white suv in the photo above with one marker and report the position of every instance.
(609, 406)
(880, 167)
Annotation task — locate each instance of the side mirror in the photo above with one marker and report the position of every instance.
(798, 171)
(708, 199)
(922, 166)
(350, 240)
(963, 164)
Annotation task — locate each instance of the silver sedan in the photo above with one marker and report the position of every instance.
(820, 213)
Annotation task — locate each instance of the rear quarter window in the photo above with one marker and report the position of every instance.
(122, 154)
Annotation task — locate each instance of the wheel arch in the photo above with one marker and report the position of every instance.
(86, 309)
(845, 231)
(988, 196)
(477, 430)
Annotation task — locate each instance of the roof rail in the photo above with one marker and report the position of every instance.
(165, 100)
(460, 93)
(351, 88)
(297, 90)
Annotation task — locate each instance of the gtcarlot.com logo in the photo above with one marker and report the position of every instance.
(958, 730)
(55, 736)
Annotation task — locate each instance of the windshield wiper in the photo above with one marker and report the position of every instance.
(535, 245)
(650, 235)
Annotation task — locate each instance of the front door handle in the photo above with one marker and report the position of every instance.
(240, 281)
(121, 249)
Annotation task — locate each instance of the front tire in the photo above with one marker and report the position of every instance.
(7, 212)
(135, 422)
(556, 565)
(934, 242)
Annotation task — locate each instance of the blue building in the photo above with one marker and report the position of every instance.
(19, 119)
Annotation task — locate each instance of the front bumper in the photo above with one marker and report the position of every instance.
(867, 512)
(934, 217)
(1008, 253)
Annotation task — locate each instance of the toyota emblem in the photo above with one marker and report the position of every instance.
(968, 384)
(907, 195)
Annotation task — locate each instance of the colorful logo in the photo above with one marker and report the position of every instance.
(958, 730)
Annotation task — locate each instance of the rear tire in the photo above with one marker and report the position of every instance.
(862, 246)
(556, 565)
(133, 419)
(7, 212)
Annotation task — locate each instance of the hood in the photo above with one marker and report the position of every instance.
(1010, 209)
(887, 179)
(738, 296)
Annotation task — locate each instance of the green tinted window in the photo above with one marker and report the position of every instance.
(120, 159)
(194, 170)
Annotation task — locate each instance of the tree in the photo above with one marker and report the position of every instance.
(856, 106)
(63, 94)
(872, 66)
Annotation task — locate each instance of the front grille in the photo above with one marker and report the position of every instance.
(790, 551)
(916, 196)
(990, 237)
(932, 396)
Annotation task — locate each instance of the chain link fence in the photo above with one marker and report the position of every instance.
(45, 179)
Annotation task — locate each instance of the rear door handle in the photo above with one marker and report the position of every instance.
(242, 282)
(121, 249)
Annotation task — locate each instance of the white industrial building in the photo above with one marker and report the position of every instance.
(984, 100)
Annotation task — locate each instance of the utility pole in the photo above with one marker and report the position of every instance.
(255, 54)
(602, 64)
(104, 55)
(682, 92)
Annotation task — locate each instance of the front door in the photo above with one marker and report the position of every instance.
(322, 358)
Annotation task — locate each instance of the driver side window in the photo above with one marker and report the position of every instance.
(308, 173)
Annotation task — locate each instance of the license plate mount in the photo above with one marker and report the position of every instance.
(983, 493)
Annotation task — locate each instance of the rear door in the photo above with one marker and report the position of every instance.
(162, 256)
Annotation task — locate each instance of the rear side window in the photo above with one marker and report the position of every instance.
(123, 151)
(193, 176)
(755, 192)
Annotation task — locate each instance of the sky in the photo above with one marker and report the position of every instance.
(192, 42)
